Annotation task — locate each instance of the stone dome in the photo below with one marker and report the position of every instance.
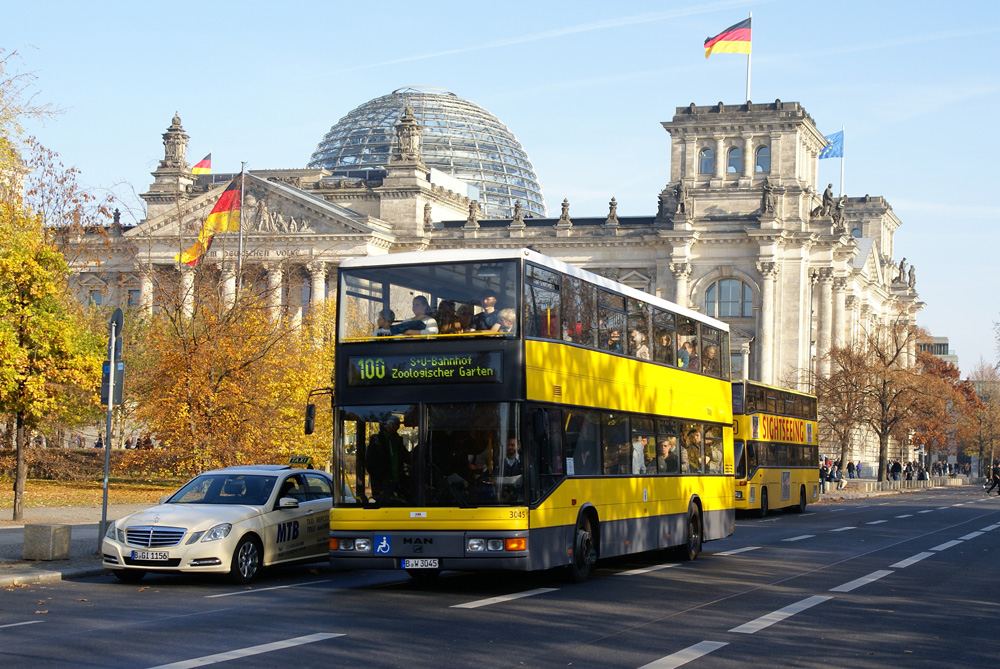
(457, 137)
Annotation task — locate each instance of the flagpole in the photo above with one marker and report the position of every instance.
(841, 161)
(748, 58)
(239, 256)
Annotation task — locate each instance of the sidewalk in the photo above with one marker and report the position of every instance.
(84, 559)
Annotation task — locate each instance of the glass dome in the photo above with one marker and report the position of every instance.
(457, 137)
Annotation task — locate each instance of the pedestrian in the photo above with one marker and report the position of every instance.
(824, 472)
(850, 469)
(99, 443)
(996, 478)
(857, 469)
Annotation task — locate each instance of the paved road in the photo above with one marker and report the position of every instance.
(902, 581)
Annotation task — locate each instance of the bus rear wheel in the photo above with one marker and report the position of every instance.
(692, 535)
(584, 552)
(762, 512)
(802, 500)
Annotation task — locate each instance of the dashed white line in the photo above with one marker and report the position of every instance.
(27, 622)
(926, 511)
(811, 513)
(877, 522)
(779, 615)
(735, 551)
(989, 528)
(911, 560)
(905, 515)
(864, 580)
(959, 504)
(844, 529)
(682, 657)
(800, 538)
(247, 652)
(646, 570)
(503, 598)
(277, 587)
(971, 535)
(942, 507)
(946, 545)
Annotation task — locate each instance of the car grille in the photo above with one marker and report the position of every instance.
(154, 537)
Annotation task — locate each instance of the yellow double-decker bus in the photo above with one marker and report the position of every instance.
(776, 448)
(504, 410)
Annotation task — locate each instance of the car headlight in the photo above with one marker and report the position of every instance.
(110, 534)
(218, 532)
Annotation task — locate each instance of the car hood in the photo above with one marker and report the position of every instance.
(190, 516)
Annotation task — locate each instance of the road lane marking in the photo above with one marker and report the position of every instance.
(277, 587)
(503, 598)
(682, 657)
(779, 615)
(864, 580)
(905, 515)
(646, 570)
(989, 528)
(739, 550)
(811, 513)
(926, 511)
(247, 652)
(27, 622)
(877, 522)
(836, 510)
(800, 538)
(959, 504)
(942, 507)
(971, 535)
(911, 560)
(946, 545)
(844, 529)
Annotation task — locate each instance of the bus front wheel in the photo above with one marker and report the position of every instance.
(802, 501)
(762, 512)
(692, 535)
(584, 552)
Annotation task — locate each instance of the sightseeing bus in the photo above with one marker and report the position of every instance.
(776, 448)
(500, 409)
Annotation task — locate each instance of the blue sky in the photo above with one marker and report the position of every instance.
(583, 85)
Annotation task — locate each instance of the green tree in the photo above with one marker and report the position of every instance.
(45, 347)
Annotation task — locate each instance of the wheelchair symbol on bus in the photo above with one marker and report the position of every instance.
(383, 545)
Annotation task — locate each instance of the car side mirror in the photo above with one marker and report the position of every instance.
(288, 503)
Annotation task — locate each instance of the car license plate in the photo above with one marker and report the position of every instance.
(150, 555)
(421, 563)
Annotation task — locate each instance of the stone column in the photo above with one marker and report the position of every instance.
(146, 289)
(720, 156)
(748, 156)
(745, 354)
(187, 290)
(691, 164)
(768, 272)
(839, 306)
(228, 271)
(274, 274)
(682, 271)
(851, 307)
(295, 296)
(823, 325)
(317, 284)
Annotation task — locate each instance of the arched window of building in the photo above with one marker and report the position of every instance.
(729, 298)
(706, 161)
(735, 163)
(856, 232)
(763, 161)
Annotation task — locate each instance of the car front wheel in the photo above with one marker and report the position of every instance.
(246, 561)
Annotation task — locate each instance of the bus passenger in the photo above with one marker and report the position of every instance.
(487, 320)
(639, 347)
(448, 321)
(665, 350)
(694, 362)
(683, 357)
(423, 322)
(710, 365)
(465, 313)
(615, 341)
(693, 446)
(507, 318)
(666, 457)
(384, 323)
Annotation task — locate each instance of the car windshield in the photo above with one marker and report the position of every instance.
(251, 489)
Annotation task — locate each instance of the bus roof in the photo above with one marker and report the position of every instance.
(481, 255)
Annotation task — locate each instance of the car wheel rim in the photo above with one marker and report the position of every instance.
(248, 560)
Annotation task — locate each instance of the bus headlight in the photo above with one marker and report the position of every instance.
(475, 545)
(494, 545)
(364, 544)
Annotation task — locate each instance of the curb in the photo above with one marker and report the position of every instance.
(49, 576)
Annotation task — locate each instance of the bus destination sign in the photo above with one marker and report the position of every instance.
(395, 370)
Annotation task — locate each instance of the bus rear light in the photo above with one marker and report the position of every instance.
(520, 544)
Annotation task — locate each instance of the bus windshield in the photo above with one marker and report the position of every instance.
(469, 455)
(442, 299)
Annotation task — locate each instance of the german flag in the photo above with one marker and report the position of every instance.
(203, 166)
(224, 217)
(734, 39)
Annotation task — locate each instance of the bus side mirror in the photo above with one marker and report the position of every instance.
(310, 418)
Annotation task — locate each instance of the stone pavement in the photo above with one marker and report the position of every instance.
(85, 561)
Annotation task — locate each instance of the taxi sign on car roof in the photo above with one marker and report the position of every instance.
(301, 460)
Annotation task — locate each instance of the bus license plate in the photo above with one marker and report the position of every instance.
(420, 563)
(150, 555)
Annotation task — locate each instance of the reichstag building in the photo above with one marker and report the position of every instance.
(742, 231)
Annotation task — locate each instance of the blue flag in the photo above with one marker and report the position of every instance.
(835, 148)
